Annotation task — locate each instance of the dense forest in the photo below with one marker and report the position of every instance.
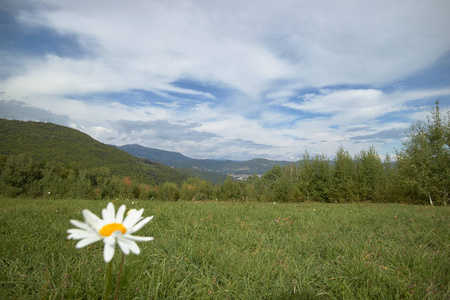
(420, 175)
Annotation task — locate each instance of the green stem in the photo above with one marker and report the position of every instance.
(108, 284)
(118, 276)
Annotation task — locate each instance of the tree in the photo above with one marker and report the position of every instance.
(394, 191)
(168, 191)
(20, 175)
(196, 189)
(230, 190)
(314, 177)
(438, 133)
(344, 183)
(370, 175)
(305, 175)
(424, 160)
(254, 188)
(321, 178)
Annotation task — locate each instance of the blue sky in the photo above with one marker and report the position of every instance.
(228, 79)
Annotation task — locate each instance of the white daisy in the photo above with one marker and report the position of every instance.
(111, 229)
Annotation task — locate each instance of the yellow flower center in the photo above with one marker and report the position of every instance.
(108, 229)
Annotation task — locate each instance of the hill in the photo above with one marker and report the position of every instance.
(225, 167)
(212, 177)
(154, 154)
(174, 160)
(51, 142)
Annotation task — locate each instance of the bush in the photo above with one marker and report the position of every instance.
(168, 191)
(196, 189)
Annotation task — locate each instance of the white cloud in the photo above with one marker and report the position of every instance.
(263, 53)
(241, 44)
(359, 106)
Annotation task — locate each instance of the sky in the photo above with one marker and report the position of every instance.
(232, 79)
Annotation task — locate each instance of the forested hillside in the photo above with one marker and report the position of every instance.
(47, 142)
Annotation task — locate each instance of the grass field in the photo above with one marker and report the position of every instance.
(217, 250)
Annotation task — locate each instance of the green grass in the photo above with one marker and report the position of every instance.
(216, 250)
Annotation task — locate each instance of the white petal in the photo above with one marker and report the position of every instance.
(127, 245)
(124, 247)
(133, 217)
(111, 240)
(120, 212)
(87, 241)
(108, 252)
(80, 224)
(91, 219)
(109, 214)
(135, 248)
(76, 234)
(139, 238)
(139, 225)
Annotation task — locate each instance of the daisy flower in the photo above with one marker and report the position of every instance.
(112, 229)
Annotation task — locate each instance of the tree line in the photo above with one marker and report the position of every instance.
(419, 175)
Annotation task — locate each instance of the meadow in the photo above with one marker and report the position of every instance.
(231, 250)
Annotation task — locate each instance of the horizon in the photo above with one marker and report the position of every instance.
(330, 158)
(234, 80)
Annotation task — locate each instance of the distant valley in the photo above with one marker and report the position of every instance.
(237, 169)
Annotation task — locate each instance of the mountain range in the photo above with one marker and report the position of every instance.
(236, 169)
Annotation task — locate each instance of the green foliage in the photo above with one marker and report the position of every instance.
(370, 175)
(321, 178)
(213, 177)
(278, 185)
(21, 176)
(305, 176)
(168, 192)
(230, 190)
(424, 161)
(344, 186)
(147, 192)
(254, 188)
(393, 188)
(196, 189)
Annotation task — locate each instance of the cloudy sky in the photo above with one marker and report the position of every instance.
(227, 79)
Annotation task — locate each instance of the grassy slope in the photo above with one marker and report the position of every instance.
(233, 251)
(51, 142)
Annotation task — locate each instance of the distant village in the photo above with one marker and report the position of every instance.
(241, 176)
